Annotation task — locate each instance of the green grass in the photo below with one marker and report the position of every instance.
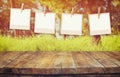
(49, 43)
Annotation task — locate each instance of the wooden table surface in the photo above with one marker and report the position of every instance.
(59, 63)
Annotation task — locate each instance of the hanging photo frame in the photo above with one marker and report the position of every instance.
(100, 25)
(71, 24)
(44, 23)
(20, 19)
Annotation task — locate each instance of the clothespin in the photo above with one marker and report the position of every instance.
(44, 10)
(11, 3)
(22, 7)
(72, 11)
(99, 8)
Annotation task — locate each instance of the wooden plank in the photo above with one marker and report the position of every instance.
(38, 65)
(108, 62)
(53, 63)
(64, 63)
(115, 55)
(68, 65)
(95, 66)
(25, 64)
(86, 64)
(16, 65)
(54, 69)
(45, 64)
(7, 58)
(2, 53)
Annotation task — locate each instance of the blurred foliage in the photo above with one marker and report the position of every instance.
(86, 7)
(50, 43)
(61, 6)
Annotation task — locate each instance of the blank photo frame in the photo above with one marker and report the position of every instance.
(20, 19)
(101, 25)
(71, 24)
(44, 23)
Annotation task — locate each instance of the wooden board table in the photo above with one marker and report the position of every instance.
(52, 64)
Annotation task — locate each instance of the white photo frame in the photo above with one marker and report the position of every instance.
(44, 23)
(101, 25)
(20, 19)
(71, 24)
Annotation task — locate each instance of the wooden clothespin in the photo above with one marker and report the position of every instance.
(11, 4)
(22, 7)
(99, 8)
(72, 11)
(44, 10)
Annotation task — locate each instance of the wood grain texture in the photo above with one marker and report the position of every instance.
(60, 63)
(115, 55)
(110, 64)
(8, 57)
(86, 64)
(64, 63)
